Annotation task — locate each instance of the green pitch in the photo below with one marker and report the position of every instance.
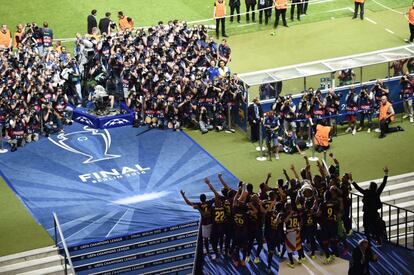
(326, 32)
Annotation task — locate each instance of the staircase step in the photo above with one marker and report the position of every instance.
(145, 255)
(54, 270)
(114, 243)
(28, 255)
(390, 181)
(32, 265)
(142, 247)
(147, 266)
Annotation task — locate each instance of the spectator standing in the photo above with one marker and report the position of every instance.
(105, 24)
(224, 52)
(234, 6)
(255, 116)
(47, 35)
(346, 77)
(220, 16)
(361, 256)
(5, 38)
(250, 8)
(281, 8)
(265, 7)
(359, 4)
(398, 66)
(298, 5)
(92, 21)
(407, 95)
(305, 6)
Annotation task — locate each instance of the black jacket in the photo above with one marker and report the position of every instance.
(91, 23)
(251, 114)
(104, 25)
(371, 200)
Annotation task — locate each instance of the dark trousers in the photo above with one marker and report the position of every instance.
(357, 6)
(250, 8)
(384, 126)
(292, 9)
(254, 131)
(305, 6)
(278, 13)
(411, 32)
(237, 10)
(267, 14)
(223, 26)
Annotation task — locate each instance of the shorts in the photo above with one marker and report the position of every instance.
(329, 231)
(206, 230)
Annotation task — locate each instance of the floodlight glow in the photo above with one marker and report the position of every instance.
(141, 198)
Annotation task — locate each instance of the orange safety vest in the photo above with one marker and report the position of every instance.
(130, 26)
(5, 39)
(360, 1)
(123, 23)
(411, 16)
(17, 35)
(280, 4)
(322, 135)
(384, 111)
(220, 9)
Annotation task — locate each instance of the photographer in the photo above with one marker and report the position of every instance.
(304, 114)
(204, 121)
(331, 109)
(288, 112)
(317, 107)
(52, 121)
(366, 108)
(134, 103)
(379, 90)
(17, 128)
(351, 107)
(406, 95)
(272, 124)
(47, 36)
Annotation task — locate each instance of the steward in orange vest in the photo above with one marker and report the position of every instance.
(410, 16)
(321, 139)
(220, 16)
(5, 38)
(18, 37)
(386, 116)
(359, 4)
(281, 7)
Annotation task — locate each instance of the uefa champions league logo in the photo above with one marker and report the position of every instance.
(91, 143)
(116, 121)
(85, 120)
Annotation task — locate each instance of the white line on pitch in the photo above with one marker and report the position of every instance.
(390, 31)
(244, 25)
(370, 20)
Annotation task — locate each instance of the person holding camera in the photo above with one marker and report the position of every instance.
(204, 121)
(366, 108)
(52, 121)
(272, 124)
(332, 109)
(47, 36)
(351, 107)
(288, 113)
(5, 38)
(317, 107)
(17, 128)
(406, 95)
(304, 114)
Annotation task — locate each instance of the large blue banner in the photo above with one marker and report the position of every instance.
(112, 182)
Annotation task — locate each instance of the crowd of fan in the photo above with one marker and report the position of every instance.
(171, 75)
(303, 210)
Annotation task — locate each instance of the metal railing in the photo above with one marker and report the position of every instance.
(58, 232)
(198, 257)
(405, 218)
